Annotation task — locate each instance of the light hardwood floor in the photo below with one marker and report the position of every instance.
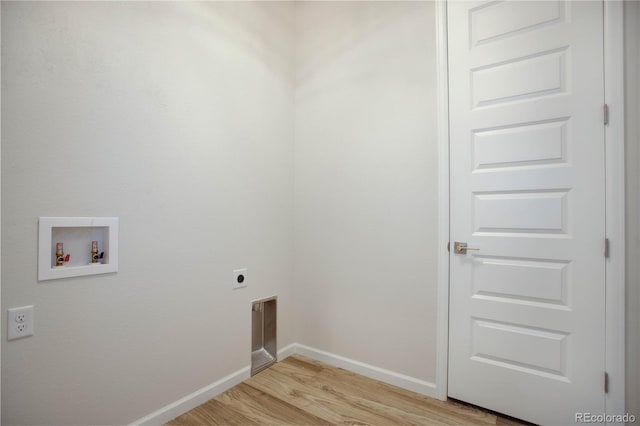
(301, 391)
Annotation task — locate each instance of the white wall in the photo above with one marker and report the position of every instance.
(632, 109)
(179, 118)
(176, 117)
(366, 182)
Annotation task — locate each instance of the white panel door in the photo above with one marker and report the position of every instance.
(527, 315)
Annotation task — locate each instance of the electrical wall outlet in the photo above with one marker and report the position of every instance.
(239, 278)
(20, 322)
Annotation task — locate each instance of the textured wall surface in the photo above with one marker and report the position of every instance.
(366, 182)
(177, 118)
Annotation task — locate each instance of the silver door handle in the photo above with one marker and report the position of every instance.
(461, 248)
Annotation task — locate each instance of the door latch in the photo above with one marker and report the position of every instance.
(461, 248)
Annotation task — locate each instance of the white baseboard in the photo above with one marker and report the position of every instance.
(191, 401)
(181, 406)
(406, 382)
(287, 351)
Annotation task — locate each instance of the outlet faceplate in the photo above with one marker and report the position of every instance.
(239, 278)
(20, 322)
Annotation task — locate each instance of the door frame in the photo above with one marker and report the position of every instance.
(615, 204)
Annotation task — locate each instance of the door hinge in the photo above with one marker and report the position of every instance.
(449, 246)
(606, 248)
(606, 382)
(605, 113)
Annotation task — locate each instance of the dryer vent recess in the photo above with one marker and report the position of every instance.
(264, 348)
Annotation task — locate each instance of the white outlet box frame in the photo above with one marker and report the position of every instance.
(110, 247)
(236, 273)
(13, 322)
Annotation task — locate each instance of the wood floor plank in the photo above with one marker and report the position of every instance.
(355, 384)
(212, 412)
(366, 396)
(262, 407)
(302, 391)
(316, 399)
(305, 363)
(286, 388)
(409, 407)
